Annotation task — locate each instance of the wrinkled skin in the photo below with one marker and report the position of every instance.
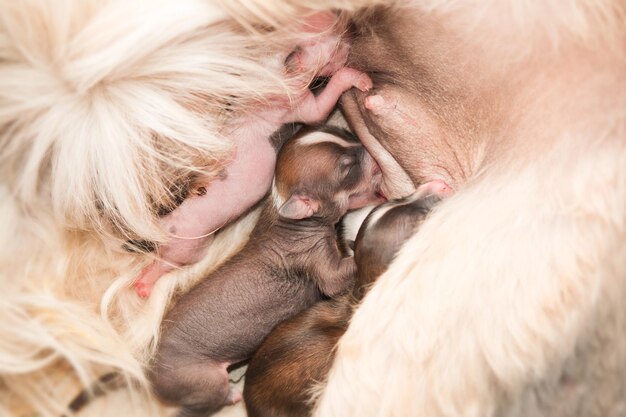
(411, 120)
(247, 178)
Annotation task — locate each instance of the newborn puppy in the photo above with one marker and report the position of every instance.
(290, 262)
(298, 354)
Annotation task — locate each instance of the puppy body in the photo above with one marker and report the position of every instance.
(296, 356)
(290, 262)
(221, 321)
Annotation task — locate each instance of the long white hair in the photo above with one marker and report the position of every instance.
(105, 108)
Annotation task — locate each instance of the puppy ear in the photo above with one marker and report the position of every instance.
(299, 207)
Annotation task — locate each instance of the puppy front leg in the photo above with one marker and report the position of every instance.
(315, 109)
(334, 274)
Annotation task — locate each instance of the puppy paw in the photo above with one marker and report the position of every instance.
(143, 289)
(234, 396)
(364, 83)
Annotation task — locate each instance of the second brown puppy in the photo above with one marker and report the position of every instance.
(298, 354)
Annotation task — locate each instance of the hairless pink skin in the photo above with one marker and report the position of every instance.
(247, 178)
(435, 187)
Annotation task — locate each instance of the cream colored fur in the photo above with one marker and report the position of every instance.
(515, 284)
(506, 287)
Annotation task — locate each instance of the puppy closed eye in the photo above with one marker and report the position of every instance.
(350, 172)
(346, 164)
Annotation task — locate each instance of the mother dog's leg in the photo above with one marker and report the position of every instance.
(492, 294)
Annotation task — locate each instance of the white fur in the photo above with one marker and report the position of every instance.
(314, 138)
(493, 294)
(352, 222)
(277, 199)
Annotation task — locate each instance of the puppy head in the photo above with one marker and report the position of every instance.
(323, 173)
(384, 231)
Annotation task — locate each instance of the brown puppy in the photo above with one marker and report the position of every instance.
(297, 355)
(289, 263)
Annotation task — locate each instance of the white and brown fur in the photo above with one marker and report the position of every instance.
(508, 302)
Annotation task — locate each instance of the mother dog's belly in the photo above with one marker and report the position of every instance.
(403, 137)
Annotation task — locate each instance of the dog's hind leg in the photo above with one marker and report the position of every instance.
(200, 387)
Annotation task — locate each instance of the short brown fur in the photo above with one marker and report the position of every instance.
(298, 354)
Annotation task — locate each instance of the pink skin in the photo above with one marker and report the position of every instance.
(389, 110)
(247, 179)
(380, 107)
(437, 187)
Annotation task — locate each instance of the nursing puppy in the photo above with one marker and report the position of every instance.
(212, 203)
(199, 216)
(290, 262)
(290, 363)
